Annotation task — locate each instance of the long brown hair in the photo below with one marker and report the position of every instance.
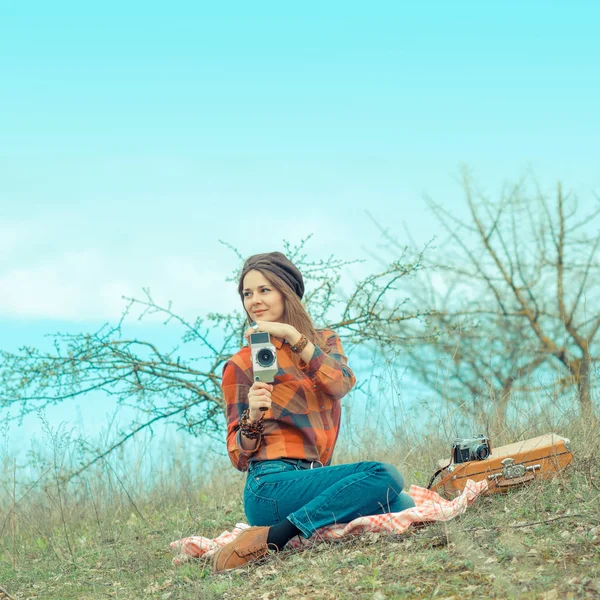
(294, 313)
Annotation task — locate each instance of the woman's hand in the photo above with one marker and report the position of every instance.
(280, 330)
(259, 396)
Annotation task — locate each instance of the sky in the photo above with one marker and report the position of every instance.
(136, 138)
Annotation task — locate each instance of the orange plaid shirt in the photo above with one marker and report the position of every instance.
(304, 419)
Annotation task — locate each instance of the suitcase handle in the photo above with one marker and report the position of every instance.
(514, 474)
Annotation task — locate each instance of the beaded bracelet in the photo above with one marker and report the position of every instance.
(252, 429)
(299, 345)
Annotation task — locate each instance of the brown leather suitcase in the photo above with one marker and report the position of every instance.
(507, 466)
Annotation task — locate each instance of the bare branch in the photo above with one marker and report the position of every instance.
(582, 287)
(182, 385)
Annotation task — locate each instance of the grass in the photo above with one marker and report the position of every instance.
(107, 535)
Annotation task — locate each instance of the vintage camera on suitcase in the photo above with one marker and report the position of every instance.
(506, 466)
(467, 449)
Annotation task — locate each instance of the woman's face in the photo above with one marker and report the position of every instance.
(261, 300)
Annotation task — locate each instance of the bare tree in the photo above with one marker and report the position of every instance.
(514, 295)
(182, 384)
(469, 364)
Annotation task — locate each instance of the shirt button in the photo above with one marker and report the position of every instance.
(315, 386)
(322, 407)
(326, 427)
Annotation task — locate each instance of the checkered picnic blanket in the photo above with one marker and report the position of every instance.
(430, 506)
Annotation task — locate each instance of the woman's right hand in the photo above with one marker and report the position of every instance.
(259, 396)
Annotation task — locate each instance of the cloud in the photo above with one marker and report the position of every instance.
(90, 285)
(75, 286)
(70, 269)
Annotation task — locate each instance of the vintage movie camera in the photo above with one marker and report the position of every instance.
(264, 357)
(468, 449)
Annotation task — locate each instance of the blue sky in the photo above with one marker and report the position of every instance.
(135, 136)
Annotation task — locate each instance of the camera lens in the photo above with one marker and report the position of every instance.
(265, 357)
(482, 452)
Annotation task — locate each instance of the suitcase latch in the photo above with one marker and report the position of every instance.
(512, 471)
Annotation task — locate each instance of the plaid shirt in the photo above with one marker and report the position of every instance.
(304, 418)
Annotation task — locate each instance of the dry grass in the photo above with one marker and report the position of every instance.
(107, 534)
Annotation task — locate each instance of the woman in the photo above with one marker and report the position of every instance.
(283, 434)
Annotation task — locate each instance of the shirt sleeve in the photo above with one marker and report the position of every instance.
(235, 385)
(329, 370)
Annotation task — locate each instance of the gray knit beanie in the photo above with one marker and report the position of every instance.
(274, 262)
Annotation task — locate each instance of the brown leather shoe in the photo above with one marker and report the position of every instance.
(248, 546)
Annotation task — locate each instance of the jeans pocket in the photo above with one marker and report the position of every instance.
(269, 467)
(260, 510)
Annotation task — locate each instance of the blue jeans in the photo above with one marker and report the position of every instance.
(312, 498)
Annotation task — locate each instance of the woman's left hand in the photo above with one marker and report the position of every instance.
(280, 330)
